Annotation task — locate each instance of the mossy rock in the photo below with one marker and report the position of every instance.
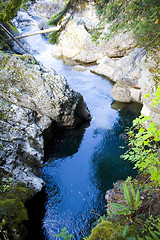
(103, 231)
(110, 231)
(13, 213)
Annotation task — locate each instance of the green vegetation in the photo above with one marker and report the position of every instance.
(59, 18)
(144, 145)
(9, 8)
(64, 234)
(132, 202)
(140, 16)
(13, 213)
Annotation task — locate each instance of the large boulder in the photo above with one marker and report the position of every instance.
(134, 75)
(33, 103)
(24, 83)
(121, 93)
(21, 143)
(76, 41)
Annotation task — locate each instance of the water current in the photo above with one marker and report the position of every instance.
(82, 163)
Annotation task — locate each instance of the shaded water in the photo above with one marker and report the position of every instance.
(83, 163)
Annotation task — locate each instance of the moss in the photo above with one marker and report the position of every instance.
(103, 231)
(107, 230)
(13, 213)
(13, 28)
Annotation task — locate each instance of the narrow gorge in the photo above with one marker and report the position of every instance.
(64, 110)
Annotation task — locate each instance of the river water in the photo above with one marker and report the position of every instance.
(82, 163)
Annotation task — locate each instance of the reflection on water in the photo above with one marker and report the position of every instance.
(83, 163)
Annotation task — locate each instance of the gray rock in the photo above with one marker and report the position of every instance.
(21, 144)
(24, 83)
(121, 93)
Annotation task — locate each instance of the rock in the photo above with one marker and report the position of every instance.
(45, 9)
(135, 94)
(24, 83)
(125, 94)
(76, 42)
(127, 68)
(135, 75)
(121, 93)
(32, 101)
(73, 41)
(21, 144)
(87, 17)
(23, 17)
(80, 68)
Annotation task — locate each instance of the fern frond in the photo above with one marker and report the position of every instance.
(154, 235)
(137, 202)
(132, 191)
(127, 194)
(116, 209)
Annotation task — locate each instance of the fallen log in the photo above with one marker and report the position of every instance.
(36, 33)
(13, 38)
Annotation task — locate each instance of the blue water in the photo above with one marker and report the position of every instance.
(83, 163)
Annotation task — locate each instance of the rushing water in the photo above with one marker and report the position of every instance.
(82, 163)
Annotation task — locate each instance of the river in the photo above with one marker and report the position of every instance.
(82, 163)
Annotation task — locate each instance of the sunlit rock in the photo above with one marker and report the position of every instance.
(24, 83)
(76, 42)
(121, 93)
(135, 75)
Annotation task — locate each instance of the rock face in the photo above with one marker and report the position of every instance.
(21, 143)
(134, 76)
(25, 83)
(76, 43)
(132, 69)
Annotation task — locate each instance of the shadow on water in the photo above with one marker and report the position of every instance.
(36, 212)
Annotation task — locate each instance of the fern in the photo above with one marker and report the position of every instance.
(127, 195)
(132, 200)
